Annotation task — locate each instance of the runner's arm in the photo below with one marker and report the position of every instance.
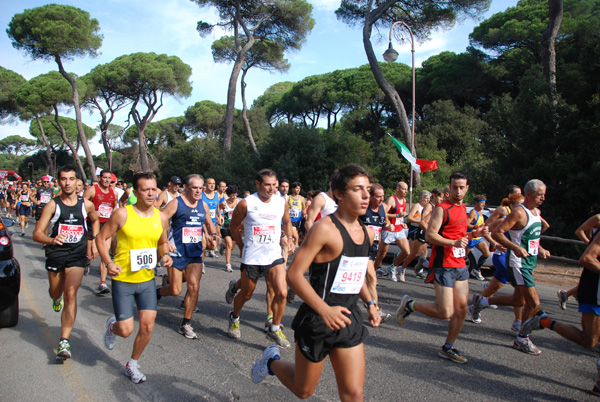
(411, 215)
(589, 258)
(287, 227)
(93, 217)
(164, 246)
(432, 235)
(239, 213)
(160, 201)
(116, 222)
(316, 206)
(586, 227)
(40, 233)
(210, 227)
(514, 218)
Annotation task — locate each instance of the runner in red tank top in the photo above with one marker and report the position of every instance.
(447, 233)
(105, 200)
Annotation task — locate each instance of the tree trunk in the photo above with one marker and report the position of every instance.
(82, 139)
(245, 114)
(63, 134)
(48, 151)
(548, 50)
(104, 123)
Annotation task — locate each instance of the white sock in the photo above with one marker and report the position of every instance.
(274, 328)
(132, 362)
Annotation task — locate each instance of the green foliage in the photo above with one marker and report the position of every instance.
(52, 132)
(205, 118)
(55, 31)
(13, 145)
(9, 85)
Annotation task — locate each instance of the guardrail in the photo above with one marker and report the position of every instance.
(565, 241)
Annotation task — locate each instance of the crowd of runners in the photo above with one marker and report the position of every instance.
(326, 248)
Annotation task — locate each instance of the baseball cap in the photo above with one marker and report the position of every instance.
(175, 180)
(113, 179)
(46, 178)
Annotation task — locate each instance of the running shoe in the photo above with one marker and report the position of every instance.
(103, 289)
(526, 346)
(268, 324)
(234, 327)
(402, 275)
(260, 368)
(516, 326)
(182, 306)
(64, 350)
(477, 274)
(279, 338)
(422, 274)
(187, 331)
(22, 233)
(110, 338)
(385, 317)
(453, 355)
(475, 317)
(57, 305)
(291, 296)
(533, 322)
(485, 284)
(418, 266)
(562, 299)
(403, 311)
(477, 305)
(230, 294)
(228, 268)
(133, 371)
(392, 273)
(381, 272)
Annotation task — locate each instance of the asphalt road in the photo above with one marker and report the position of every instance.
(402, 362)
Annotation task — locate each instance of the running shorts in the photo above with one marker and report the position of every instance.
(125, 293)
(259, 271)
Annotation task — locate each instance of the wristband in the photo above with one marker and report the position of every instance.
(370, 303)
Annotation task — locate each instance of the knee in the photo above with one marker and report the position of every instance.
(124, 330)
(304, 392)
(70, 295)
(146, 328)
(352, 394)
(174, 290)
(193, 288)
(281, 294)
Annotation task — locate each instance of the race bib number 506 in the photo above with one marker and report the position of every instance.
(143, 258)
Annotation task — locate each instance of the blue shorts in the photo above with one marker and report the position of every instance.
(124, 294)
(448, 276)
(182, 262)
(474, 242)
(499, 261)
(589, 308)
(373, 250)
(24, 211)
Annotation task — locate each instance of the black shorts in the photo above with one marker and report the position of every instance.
(412, 233)
(59, 264)
(316, 341)
(258, 271)
(421, 236)
(225, 233)
(296, 224)
(24, 210)
(373, 250)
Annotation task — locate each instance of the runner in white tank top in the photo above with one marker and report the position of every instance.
(263, 217)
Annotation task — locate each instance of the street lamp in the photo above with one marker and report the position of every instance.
(391, 55)
(52, 163)
(30, 164)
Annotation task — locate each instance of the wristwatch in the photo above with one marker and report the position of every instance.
(370, 303)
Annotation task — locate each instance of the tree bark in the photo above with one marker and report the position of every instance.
(48, 151)
(548, 49)
(245, 113)
(63, 134)
(104, 123)
(82, 139)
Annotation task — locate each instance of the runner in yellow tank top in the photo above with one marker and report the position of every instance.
(141, 240)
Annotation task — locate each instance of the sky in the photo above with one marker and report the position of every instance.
(169, 27)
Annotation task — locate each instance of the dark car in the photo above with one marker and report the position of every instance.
(10, 278)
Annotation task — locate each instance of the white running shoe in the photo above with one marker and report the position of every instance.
(562, 299)
(228, 268)
(392, 273)
(110, 338)
(133, 371)
(187, 331)
(260, 370)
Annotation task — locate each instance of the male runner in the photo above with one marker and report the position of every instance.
(67, 250)
(396, 210)
(416, 236)
(105, 200)
(43, 196)
(140, 230)
(297, 211)
(284, 188)
(323, 204)
(188, 218)
(447, 233)
(172, 193)
(215, 205)
(477, 219)
(376, 219)
(25, 197)
(263, 217)
(524, 227)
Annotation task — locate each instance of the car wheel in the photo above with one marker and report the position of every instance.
(9, 317)
(470, 260)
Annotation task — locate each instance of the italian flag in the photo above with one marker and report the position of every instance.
(418, 165)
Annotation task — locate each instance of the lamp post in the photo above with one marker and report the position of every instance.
(30, 164)
(52, 163)
(391, 55)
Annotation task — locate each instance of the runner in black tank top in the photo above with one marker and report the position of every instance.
(329, 322)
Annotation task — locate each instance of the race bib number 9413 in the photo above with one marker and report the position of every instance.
(350, 275)
(143, 258)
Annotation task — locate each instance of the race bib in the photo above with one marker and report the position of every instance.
(350, 275)
(24, 198)
(229, 214)
(142, 258)
(213, 214)
(73, 233)
(399, 221)
(377, 230)
(295, 213)
(263, 234)
(534, 247)
(458, 252)
(191, 235)
(104, 211)
(44, 199)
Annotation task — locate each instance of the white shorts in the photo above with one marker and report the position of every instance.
(391, 237)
